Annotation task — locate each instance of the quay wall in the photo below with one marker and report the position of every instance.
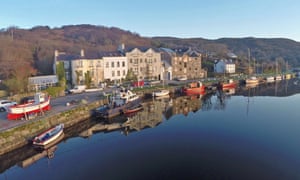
(20, 136)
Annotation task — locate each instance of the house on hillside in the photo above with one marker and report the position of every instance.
(224, 66)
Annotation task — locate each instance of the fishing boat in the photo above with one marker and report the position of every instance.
(127, 95)
(47, 137)
(194, 88)
(228, 84)
(133, 109)
(117, 104)
(40, 103)
(161, 92)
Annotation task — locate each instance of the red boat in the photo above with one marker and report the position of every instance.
(41, 103)
(194, 88)
(228, 84)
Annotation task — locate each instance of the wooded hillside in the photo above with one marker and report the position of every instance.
(33, 49)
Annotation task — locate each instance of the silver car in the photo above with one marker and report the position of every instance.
(5, 104)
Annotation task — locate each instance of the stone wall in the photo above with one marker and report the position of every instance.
(17, 137)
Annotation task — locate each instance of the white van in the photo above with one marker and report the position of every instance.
(78, 89)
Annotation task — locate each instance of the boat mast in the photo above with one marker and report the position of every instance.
(248, 61)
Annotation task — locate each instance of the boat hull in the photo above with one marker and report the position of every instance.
(194, 91)
(228, 85)
(21, 111)
(133, 110)
(160, 93)
(110, 112)
(47, 137)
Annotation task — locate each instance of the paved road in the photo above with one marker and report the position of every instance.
(57, 105)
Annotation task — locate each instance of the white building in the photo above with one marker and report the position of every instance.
(41, 82)
(77, 66)
(224, 66)
(115, 68)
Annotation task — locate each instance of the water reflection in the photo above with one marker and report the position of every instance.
(155, 111)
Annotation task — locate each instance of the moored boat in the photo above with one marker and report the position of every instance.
(228, 84)
(117, 104)
(41, 103)
(47, 137)
(270, 79)
(252, 80)
(278, 78)
(194, 88)
(161, 92)
(133, 109)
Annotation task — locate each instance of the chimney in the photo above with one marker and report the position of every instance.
(121, 48)
(82, 53)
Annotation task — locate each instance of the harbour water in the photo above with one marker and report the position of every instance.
(244, 133)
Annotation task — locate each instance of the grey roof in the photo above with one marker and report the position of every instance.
(99, 55)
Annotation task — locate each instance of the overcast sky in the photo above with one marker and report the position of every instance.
(210, 19)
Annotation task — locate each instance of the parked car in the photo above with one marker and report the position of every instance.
(4, 104)
(78, 89)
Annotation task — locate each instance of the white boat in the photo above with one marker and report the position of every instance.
(252, 80)
(278, 78)
(41, 103)
(48, 136)
(182, 78)
(162, 92)
(127, 95)
(270, 79)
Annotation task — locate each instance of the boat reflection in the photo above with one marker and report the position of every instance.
(49, 153)
(155, 111)
(42, 151)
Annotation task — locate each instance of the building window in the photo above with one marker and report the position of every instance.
(118, 73)
(79, 64)
(123, 64)
(98, 64)
(118, 64)
(91, 64)
(185, 65)
(141, 60)
(130, 60)
(113, 73)
(124, 72)
(107, 64)
(112, 64)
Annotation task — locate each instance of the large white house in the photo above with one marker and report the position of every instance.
(115, 67)
(224, 66)
(77, 66)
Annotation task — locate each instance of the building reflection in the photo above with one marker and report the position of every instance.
(186, 104)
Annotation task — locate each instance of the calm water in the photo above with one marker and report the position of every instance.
(251, 134)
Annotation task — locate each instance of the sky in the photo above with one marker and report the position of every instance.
(209, 19)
